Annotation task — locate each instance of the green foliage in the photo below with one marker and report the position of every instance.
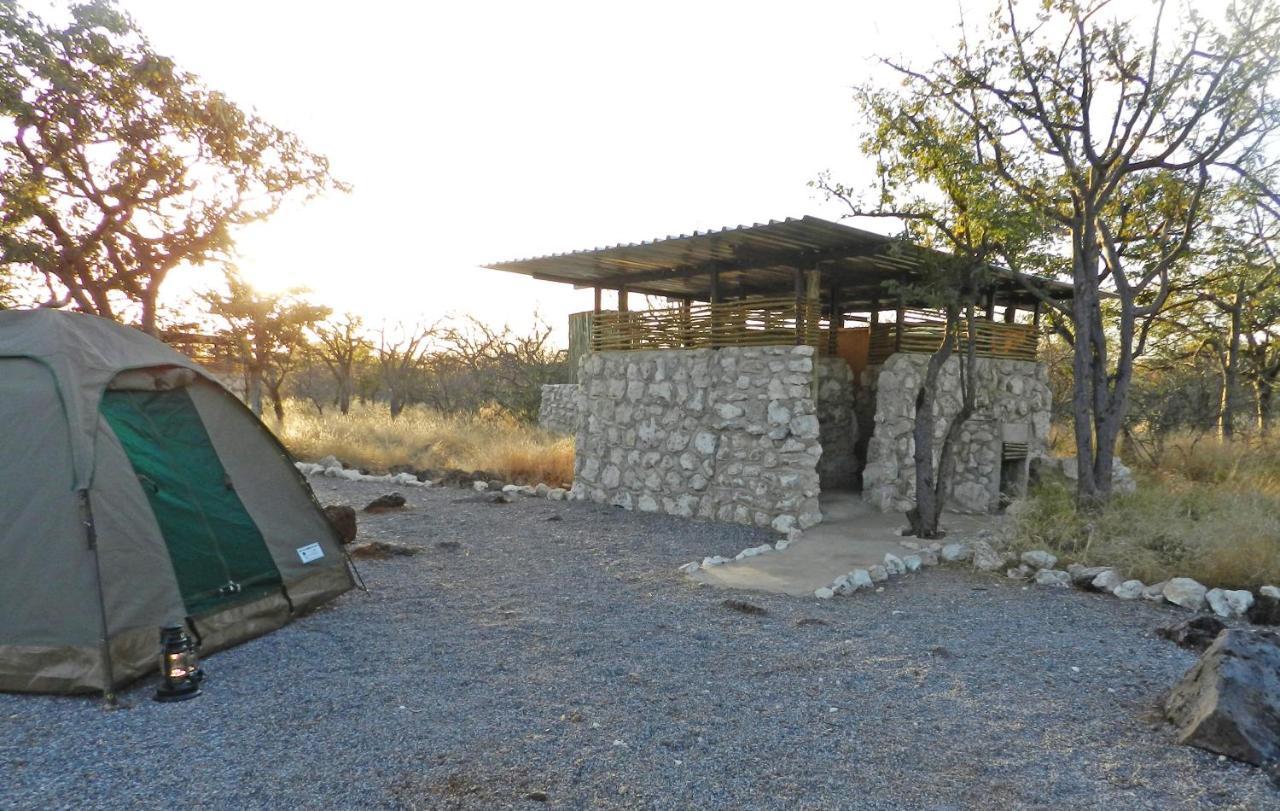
(116, 166)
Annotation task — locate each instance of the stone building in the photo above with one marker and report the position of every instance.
(785, 368)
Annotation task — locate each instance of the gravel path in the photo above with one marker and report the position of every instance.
(556, 650)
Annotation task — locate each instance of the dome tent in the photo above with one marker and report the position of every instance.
(137, 492)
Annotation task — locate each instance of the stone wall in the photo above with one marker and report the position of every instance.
(728, 434)
(1013, 401)
(560, 406)
(837, 424)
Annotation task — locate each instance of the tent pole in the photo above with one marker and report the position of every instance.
(91, 534)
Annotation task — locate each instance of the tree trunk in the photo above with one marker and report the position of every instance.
(255, 390)
(1265, 388)
(397, 404)
(277, 403)
(1230, 378)
(344, 395)
(1083, 363)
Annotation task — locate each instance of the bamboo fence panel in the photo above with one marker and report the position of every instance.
(749, 322)
(991, 340)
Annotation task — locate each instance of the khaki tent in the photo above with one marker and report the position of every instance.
(136, 492)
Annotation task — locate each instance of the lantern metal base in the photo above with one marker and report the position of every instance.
(166, 693)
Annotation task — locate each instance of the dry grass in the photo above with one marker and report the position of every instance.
(490, 439)
(1209, 511)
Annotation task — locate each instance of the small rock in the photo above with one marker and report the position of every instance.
(330, 461)
(860, 579)
(1229, 702)
(955, 552)
(381, 550)
(807, 621)
(500, 498)
(1053, 577)
(1196, 633)
(1154, 592)
(842, 585)
(985, 558)
(448, 546)
(1185, 592)
(480, 487)
(714, 560)
(557, 494)
(343, 519)
(690, 568)
(541, 489)
(878, 573)
(1128, 590)
(1083, 576)
(928, 557)
(536, 796)
(1107, 581)
(391, 501)
(824, 593)
(743, 607)
(1039, 559)
(1020, 572)
(782, 545)
(893, 564)
(1229, 603)
(511, 488)
(1270, 591)
(496, 485)
(913, 562)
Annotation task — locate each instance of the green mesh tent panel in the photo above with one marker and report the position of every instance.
(218, 553)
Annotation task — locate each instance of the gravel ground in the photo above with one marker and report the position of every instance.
(555, 650)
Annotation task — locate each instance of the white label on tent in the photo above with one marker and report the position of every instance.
(310, 552)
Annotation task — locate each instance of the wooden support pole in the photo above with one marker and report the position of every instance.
(1010, 313)
(873, 318)
(1035, 315)
(596, 309)
(622, 299)
(834, 319)
(901, 322)
(685, 321)
(800, 298)
(716, 298)
(991, 304)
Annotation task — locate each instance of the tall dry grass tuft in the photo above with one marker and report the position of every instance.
(1206, 510)
(490, 439)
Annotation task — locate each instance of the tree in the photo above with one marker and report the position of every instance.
(117, 167)
(400, 356)
(342, 345)
(1115, 137)
(270, 330)
(929, 173)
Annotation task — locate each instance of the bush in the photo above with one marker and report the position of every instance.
(1208, 511)
(490, 439)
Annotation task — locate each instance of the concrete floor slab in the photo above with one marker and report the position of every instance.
(852, 535)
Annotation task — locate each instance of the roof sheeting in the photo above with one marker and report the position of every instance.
(751, 260)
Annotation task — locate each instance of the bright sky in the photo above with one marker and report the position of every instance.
(481, 131)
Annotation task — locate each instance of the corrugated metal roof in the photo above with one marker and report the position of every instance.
(750, 260)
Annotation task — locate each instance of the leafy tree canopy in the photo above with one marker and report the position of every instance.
(116, 166)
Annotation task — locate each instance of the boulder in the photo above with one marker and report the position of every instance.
(1107, 581)
(928, 557)
(913, 562)
(1129, 590)
(1196, 633)
(691, 567)
(879, 574)
(955, 552)
(381, 504)
(824, 593)
(1185, 592)
(1229, 702)
(1270, 591)
(1039, 559)
(1020, 572)
(1265, 610)
(1053, 577)
(986, 558)
(330, 461)
(1229, 603)
(343, 519)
